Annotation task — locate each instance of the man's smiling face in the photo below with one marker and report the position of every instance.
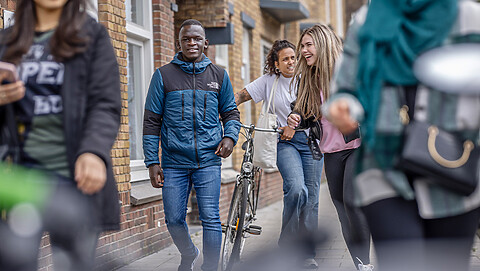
(192, 42)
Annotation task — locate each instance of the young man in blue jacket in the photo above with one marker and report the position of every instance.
(184, 101)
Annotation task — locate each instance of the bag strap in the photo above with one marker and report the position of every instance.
(272, 94)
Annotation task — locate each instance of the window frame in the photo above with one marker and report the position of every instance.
(245, 71)
(93, 12)
(142, 36)
(146, 14)
(263, 44)
(221, 60)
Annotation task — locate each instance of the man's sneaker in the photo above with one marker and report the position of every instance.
(364, 267)
(187, 262)
(310, 263)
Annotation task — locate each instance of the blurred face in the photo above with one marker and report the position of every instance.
(50, 5)
(308, 50)
(286, 62)
(192, 42)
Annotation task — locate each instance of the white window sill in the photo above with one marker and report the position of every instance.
(142, 191)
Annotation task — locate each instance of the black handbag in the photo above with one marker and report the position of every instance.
(441, 157)
(352, 136)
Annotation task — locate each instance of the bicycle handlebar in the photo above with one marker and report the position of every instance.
(274, 130)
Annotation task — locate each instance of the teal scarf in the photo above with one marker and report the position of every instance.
(394, 33)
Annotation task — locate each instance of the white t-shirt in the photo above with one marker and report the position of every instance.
(261, 88)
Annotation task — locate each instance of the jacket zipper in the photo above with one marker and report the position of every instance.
(194, 120)
(204, 107)
(183, 106)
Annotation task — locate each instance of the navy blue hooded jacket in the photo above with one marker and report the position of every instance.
(184, 102)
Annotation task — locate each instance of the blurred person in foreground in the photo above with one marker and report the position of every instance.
(318, 50)
(185, 101)
(415, 224)
(66, 106)
(301, 173)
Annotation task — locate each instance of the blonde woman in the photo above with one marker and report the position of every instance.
(317, 51)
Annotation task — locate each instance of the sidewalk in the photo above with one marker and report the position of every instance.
(331, 255)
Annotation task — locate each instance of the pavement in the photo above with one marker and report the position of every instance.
(332, 254)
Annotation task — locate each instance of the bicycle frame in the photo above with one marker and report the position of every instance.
(248, 170)
(244, 202)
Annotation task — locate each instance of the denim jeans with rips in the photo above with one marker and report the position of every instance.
(206, 182)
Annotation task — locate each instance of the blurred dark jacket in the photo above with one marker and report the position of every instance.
(92, 109)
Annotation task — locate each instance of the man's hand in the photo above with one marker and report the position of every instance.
(339, 115)
(156, 175)
(287, 134)
(225, 147)
(90, 173)
(293, 120)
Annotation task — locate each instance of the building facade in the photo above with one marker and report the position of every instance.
(143, 34)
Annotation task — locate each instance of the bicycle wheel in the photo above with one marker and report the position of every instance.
(247, 214)
(234, 227)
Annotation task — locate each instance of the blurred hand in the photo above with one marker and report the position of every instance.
(12, 92)
(156, 175)
(287, 134)
(293, 120)
(90, 173)
(339, 116)
(225, 147)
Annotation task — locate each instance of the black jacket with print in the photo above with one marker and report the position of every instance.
(92, 109)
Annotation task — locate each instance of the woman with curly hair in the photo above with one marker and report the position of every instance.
(301, 173)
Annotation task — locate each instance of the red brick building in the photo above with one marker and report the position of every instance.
(143, 35)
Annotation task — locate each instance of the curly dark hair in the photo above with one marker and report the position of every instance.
(272, 56)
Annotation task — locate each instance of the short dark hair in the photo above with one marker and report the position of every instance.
(192, 22)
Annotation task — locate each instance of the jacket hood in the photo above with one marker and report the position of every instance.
(188, 66)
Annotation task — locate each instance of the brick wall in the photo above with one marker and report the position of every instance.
(143, 229)
(209, 13)
(8, 5)
(111, 13)
(163, 32)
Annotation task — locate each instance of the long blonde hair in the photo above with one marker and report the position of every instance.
(312, 80)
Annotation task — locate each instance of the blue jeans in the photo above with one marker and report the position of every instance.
(176, 189)
(301, 186)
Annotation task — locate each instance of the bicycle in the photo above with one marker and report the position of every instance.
(243, 206)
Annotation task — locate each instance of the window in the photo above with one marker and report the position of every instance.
(221, 56)
(327, 12)
(92, 9)
(246, 72)
(265, 47)
(221, 59)
(134, 11)
(135, 97)
(339, 22)
(139, 72)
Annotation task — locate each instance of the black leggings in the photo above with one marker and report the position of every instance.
(339, 168)
(405, 241)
